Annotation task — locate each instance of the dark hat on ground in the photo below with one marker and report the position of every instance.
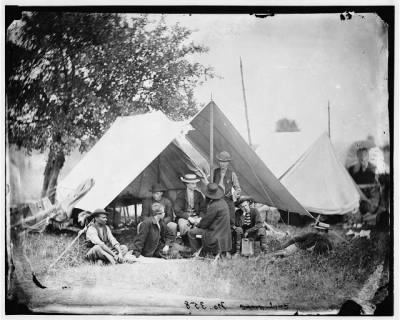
(214, 191)
(98, 212)
(157, 187)
(224, 156)
(190, 178)
(243, 199)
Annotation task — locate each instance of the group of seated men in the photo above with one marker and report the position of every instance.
(208, 223)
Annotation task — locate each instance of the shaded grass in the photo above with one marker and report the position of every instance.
(303, 281)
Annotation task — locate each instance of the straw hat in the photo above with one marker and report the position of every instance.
(190, 178)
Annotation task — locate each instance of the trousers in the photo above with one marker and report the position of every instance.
(97, 253)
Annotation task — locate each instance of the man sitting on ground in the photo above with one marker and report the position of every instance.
(157, 197)
(248, 223)
(190, 204)
(213, 232)
(316, 242)
(104, 247)
(151, 240)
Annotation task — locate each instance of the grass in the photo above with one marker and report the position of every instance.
(303, 281)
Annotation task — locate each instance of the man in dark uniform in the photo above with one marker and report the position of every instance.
(227, 179)
(213, 232)
(151, 240)
(364, 175)
(248, 224)
(157, 191)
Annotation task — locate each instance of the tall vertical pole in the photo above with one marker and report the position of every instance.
(329, 120)
(245, 102)
(211, 141)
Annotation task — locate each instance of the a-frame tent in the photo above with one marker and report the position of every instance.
(254, 176)
(320, 182)
(135, 152)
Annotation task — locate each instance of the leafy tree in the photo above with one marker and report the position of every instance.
(69, 75)
(286, 125)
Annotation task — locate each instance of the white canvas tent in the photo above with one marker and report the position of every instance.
(282, 149)
(134, 153)
(319, 181)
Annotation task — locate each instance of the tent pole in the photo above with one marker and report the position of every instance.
(288, 217)
(211, 141)
(245, 103)
(329, 120)
(136, 213)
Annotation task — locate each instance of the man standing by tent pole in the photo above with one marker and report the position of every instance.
(227, 179)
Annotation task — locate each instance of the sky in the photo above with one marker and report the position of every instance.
(293, 66)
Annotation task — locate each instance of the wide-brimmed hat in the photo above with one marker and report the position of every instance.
(243, 199)
(98, 212)
(190, 178)
(224, 156)
(214, 191)
(157, 187)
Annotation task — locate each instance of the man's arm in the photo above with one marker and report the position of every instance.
(180, 205)
(114, 242)
(140, 239)
(208, 218)
(236, 184)
(258, 223)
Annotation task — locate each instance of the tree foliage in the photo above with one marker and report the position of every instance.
(286, 125)
(69, 75)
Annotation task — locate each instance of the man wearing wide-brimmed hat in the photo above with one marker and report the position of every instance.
(103, 245)
(315, 242)
(248, 224)
(225, 177)
(157, 196)
(213, 232)
(189, 205)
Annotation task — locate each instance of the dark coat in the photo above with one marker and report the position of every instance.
(181, 204)
(218, 237)
(146, 209)
(255, 217)
(150, 240)
(363, 177)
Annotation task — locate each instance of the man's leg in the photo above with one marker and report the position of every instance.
(97, 253)
(183, 226)
(172, 229)
(238, 236)
(261, 235)
(194, 242)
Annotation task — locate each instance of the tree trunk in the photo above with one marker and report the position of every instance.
(54, 165)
